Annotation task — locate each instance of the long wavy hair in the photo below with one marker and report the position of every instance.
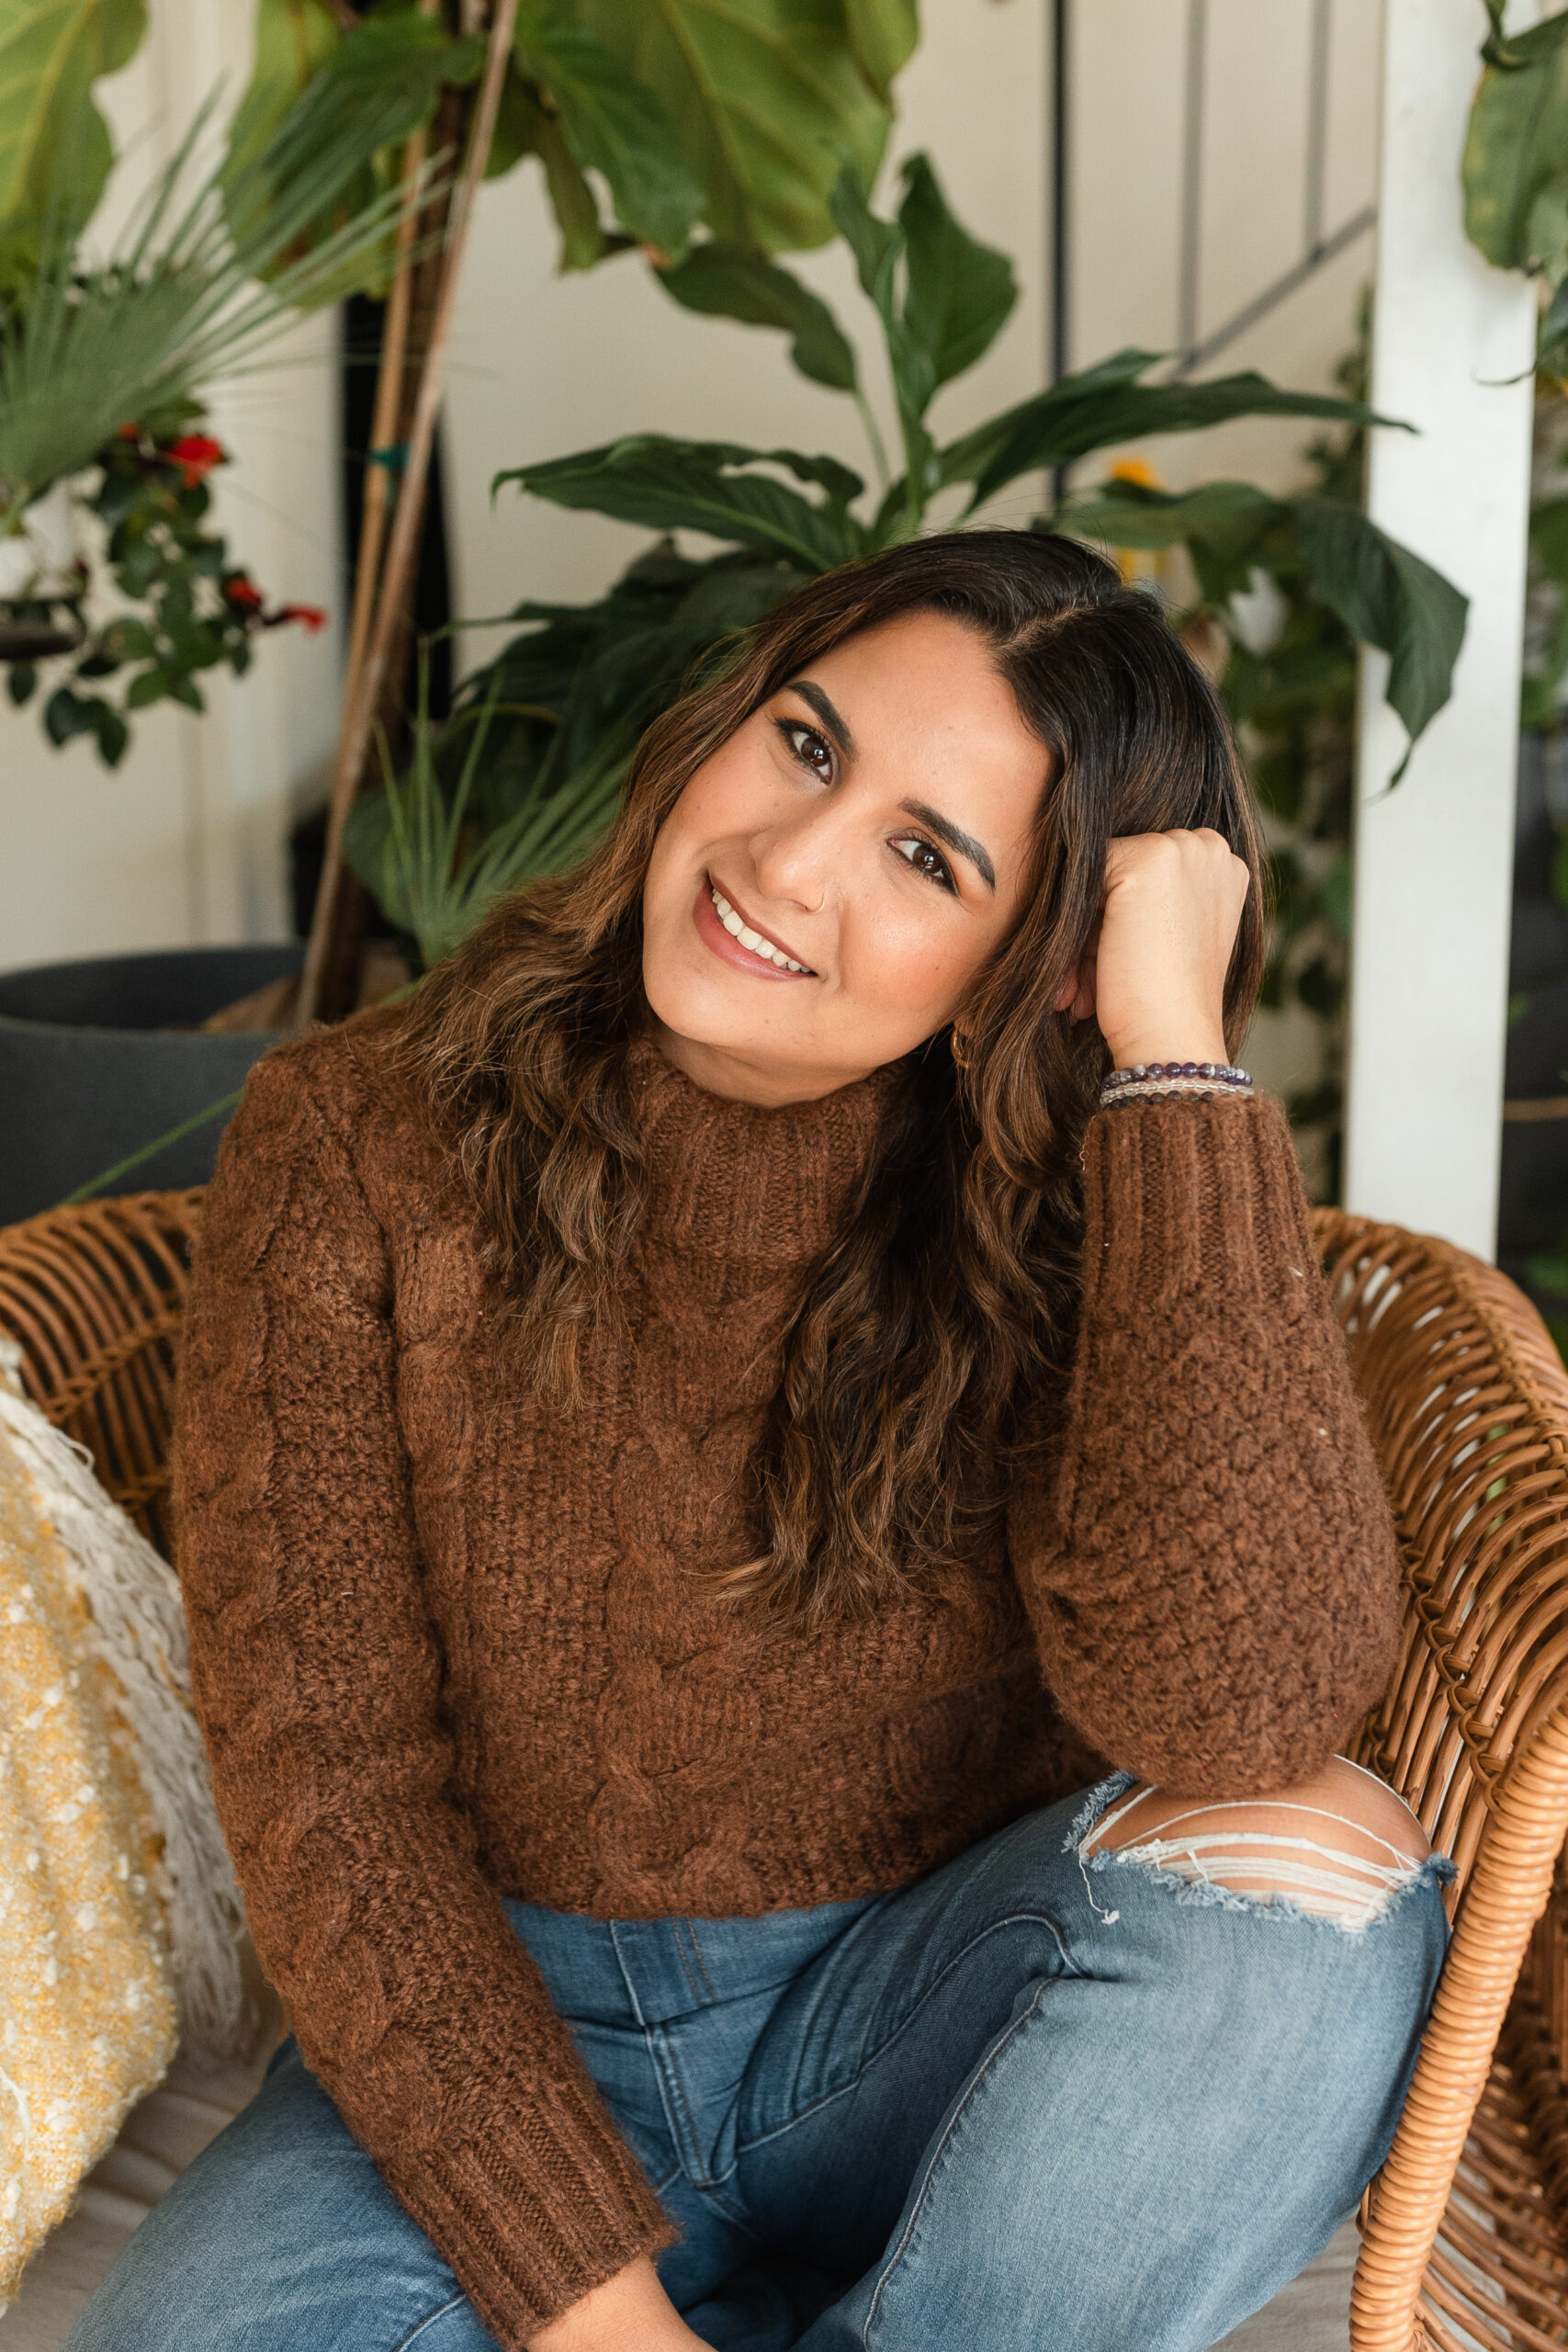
(950, 1297)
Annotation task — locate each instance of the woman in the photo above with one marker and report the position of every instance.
(726, 1504)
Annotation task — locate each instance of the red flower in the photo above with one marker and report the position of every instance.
(311, 617)
(242, 593)
(196, 454)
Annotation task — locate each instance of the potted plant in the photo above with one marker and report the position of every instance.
(637, 136)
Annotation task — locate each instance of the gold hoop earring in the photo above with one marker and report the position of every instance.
(959, 1057)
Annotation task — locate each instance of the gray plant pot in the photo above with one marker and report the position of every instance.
(98, 1058)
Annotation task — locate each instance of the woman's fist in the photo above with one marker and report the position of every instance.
(1154, 971)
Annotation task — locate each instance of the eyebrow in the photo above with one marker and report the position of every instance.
(954, 838)
(838, 727)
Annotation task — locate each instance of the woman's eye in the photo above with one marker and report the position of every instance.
(918, 852)
(811, 750)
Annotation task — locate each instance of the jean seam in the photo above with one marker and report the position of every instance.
(428, 2321)
(1014, 2027)
(1037, 1918)
(685, 1964)
(701, 1963)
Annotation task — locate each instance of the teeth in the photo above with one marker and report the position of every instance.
(760, 948)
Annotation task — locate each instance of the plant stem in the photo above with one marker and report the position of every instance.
(873, 436)
(359, 709)
(149, 1150)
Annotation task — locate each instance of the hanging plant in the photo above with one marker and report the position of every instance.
(192, 608)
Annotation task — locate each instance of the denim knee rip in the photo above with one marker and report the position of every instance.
(1351, 1891)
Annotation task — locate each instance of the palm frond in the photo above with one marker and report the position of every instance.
(199, 285)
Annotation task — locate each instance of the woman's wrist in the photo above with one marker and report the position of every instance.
(629, 2312)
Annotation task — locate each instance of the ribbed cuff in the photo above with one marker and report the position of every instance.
(530, 2222)
(1191, 1194)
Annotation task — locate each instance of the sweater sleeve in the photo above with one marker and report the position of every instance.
(1206, 1551)
(316, 1672)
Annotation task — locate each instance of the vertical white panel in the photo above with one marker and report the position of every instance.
(1453, 343)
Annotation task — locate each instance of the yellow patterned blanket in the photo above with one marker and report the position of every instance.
(120, 1922)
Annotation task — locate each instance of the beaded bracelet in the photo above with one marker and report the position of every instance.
(1148, 1078)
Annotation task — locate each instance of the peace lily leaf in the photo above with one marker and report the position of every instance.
(702, 486)
(968, 456)
(614, 126)
(725, 281)
(883, 34)
(960, 292)
(763, 94)
(1221, 524)
(1071, 420)
(1516, 140)
(1230, 516)
(54, 144)
(875, 244)
(1386, 596)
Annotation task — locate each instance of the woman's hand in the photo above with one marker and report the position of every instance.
(1155, 972)
(630, 2313)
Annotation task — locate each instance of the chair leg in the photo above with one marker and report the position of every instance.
(1507, 1893)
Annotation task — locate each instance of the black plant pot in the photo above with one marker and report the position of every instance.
(99, 1058)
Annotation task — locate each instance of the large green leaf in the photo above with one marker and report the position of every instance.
(959, 292)
(1072, 418)
(878, 246)
(351, 95)
(883, 34)
(725, 281)
(707, 486)
(1220, 523)
(55, 151)
(614, 126)
(765, 96)
(967, 456)
(1517, 142)
(294, 40)
(1386, 596)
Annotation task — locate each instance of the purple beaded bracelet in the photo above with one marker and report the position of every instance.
(1218, 1073)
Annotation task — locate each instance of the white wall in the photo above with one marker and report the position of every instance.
(185, 841)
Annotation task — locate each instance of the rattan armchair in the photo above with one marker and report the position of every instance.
(1465, 2229)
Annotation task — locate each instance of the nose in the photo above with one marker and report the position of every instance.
(794, 859)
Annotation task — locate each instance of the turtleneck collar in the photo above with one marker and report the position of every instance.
(753, 1192)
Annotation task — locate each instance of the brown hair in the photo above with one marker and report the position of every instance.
(953, 1291)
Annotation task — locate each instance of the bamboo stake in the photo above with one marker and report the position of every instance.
(384, 424)
(360, 703)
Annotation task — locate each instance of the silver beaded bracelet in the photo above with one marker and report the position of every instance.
(1147, 1079)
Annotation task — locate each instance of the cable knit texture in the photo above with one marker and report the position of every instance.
(446, 1644)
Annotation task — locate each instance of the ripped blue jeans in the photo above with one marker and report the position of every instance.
(1043, 2100)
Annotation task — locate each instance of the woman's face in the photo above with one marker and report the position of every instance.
(864, 833)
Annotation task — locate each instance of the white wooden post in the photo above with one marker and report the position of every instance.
(1453, 347)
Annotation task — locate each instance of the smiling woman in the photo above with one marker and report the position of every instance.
(753, 1527)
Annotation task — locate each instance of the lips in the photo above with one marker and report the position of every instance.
(727, 927)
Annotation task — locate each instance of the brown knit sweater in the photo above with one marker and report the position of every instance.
(446, 1645)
